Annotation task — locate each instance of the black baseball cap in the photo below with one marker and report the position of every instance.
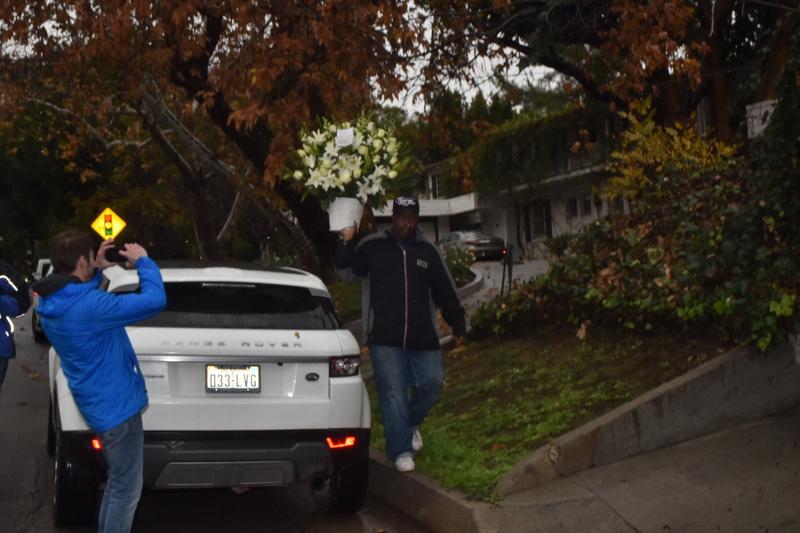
(405, 202)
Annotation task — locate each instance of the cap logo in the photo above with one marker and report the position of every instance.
(404, 201)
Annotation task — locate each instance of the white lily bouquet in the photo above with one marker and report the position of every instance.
(348, 166)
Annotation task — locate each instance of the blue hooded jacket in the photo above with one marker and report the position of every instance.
(14, 301)
(86, 326)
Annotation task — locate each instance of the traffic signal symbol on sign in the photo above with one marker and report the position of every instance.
(108, 224)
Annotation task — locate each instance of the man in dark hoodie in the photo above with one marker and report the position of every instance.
(406, 279)
(14, 301)
(86, 326)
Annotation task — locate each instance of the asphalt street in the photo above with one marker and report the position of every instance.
(26, 478)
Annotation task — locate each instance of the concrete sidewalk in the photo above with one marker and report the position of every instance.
(743, 479)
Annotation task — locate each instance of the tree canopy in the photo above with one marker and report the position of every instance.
(676, 51)
(257, 70)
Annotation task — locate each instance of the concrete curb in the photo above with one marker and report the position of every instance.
(422, 499)
(473, 286)
(736, 387)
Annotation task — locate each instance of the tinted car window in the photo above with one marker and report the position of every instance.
(475, 236)
(243, 306)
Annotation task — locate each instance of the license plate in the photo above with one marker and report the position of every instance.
(233, 378)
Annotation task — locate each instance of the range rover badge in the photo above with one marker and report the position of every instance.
(312, 376)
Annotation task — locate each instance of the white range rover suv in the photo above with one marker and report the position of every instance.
(252, 382)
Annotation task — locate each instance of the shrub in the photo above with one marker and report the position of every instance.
(458, 260)
(510, 316)
(710, 244)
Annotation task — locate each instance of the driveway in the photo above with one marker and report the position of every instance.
(492, 272)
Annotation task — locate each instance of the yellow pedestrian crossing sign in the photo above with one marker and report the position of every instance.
(108, 224)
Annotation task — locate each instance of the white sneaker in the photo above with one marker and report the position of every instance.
(405, 462)
(416, 440)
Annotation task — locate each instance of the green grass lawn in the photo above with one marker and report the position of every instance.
(503, 399)
(347, 299)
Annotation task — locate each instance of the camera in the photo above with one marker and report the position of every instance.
(113, 256)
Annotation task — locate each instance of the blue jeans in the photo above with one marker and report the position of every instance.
(123, 448)
(408, 384)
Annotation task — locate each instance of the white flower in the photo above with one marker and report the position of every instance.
(363, 150)
(370, 126)
(330, 150)
(392, 174)
(297, 175)
(377, 144)
(381, 133)
(345, 176)
(317, 138)
(301, 153)
(393, 160)
(327, 163)
(357, 172)
(310, 161)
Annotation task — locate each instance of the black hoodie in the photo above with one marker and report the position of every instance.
(53, 283)
(406, 282)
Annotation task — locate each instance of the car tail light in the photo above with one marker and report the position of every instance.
(344, 366)
(504, 252)
(96, 444)
(343, 442)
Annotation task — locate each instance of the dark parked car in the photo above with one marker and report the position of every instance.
(481, 245)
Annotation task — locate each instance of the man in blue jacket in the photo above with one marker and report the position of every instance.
(406, 280)
(86, 326)
(14, 301)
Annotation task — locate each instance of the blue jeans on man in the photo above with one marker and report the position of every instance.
(408, 383)
(123, 449)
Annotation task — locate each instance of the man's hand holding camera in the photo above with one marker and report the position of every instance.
(130, 252)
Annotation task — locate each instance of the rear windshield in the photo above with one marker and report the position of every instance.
(475, 236)
(243, 306)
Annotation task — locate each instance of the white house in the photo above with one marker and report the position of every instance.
(563, 200)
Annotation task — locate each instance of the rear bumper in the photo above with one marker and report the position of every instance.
(181, 460)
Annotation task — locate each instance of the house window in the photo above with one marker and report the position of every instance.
(572, 208)
(586, 206)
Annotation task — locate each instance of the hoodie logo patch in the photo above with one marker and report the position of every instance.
(421, 263)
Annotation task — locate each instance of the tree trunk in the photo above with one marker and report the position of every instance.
(719, 90)
(313, 220)
(668, 105)
(201, 217)
(779, 50)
